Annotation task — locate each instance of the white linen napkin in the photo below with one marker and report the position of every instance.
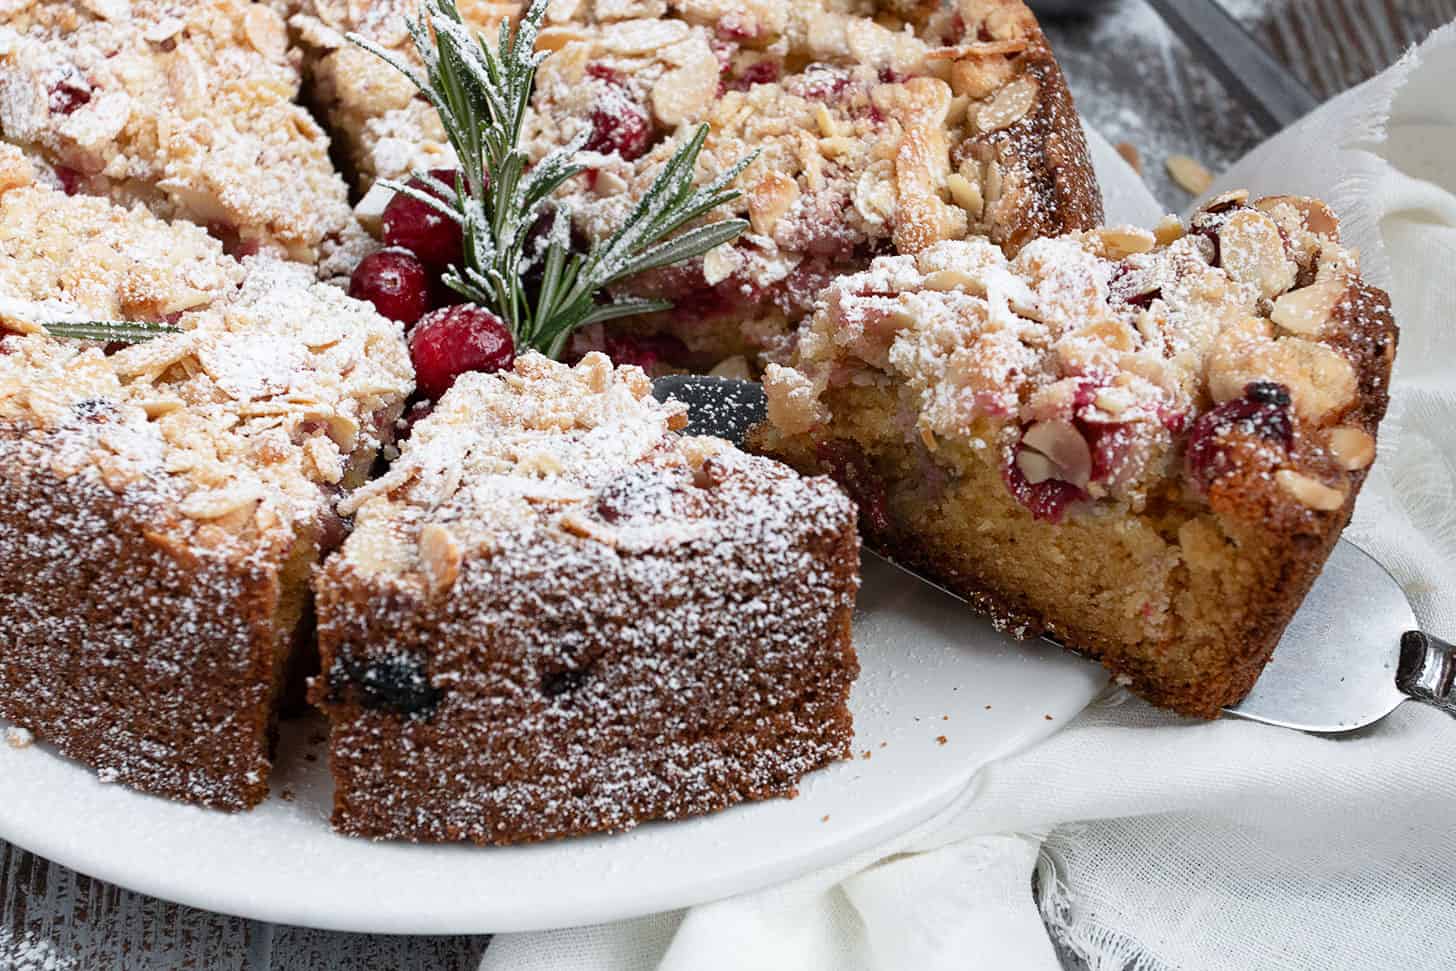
(1161, 842)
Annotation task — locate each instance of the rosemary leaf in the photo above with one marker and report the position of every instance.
(112, 331)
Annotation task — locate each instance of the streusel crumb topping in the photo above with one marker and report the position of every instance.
(876, 128)
(187, 107)
(245, 419)
(1086, 362)
(582, 455)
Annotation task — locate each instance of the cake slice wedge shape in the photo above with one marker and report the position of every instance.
(1144, 444)
(556, 616)
(162, 504)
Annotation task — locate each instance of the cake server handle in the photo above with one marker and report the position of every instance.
(1427, 670)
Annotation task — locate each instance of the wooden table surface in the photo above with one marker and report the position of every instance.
(1150, 95)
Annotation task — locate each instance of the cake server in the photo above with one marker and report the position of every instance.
(1352, 653)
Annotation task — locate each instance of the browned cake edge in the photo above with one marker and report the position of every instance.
(155, 664)
(1066, 197)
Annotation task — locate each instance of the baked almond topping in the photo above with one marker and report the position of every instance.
(1107, 366)
(867, 136)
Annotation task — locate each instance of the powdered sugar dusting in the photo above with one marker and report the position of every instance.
(872, 134)
(592, 620)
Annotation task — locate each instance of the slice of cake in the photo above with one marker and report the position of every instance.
(557, 616)
(162, 504)
(187, 108)
(1143, 444)
(878, 130)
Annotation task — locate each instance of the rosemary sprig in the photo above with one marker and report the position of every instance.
(482, 96)
(111, 331)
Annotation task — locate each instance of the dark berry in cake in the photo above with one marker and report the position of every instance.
(619, 125)
(395, 683)
(449, 342)
(422, 229)
(69, 94)
(1263, 413)
(847, 464)
(395, 282)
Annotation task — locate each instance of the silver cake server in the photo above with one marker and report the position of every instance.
(1353, 651)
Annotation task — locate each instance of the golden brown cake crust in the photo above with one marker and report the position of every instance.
(558, 617)
(1228, 383)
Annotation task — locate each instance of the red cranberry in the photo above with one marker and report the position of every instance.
(422, 229)
(766, 71)
(449, 342)
(395, 282)
(620, 126)
(70, 179)
(1047, 500)
(1109, 442)
(1262, 412)
(645, 351)
(848, 465)
(68, 94)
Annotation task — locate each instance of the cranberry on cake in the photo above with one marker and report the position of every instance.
(878, 129)
(556, 616)
(1145, 444)
(162, 503)
(187, 108)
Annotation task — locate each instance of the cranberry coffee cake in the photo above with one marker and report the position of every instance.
(556, 615)
(186, 107)
(878, 128)
(162, 504)
(1143, 443)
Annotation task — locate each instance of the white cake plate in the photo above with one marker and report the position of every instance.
(941, 694)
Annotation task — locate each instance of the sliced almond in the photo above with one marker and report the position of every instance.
(1189, 174)
(1060, 442)
(1036, 467)
(1252, 252)
(266, 32)
(769, 199)
(1309, 492)
(965, 194)
(685, 94)
(1352, 448)
(1011, 104)
(1306, 311)
(1122, 241)
(1314, 214)
(1130, 155)
(944, 280)
(1170, 229)
(440, 557)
